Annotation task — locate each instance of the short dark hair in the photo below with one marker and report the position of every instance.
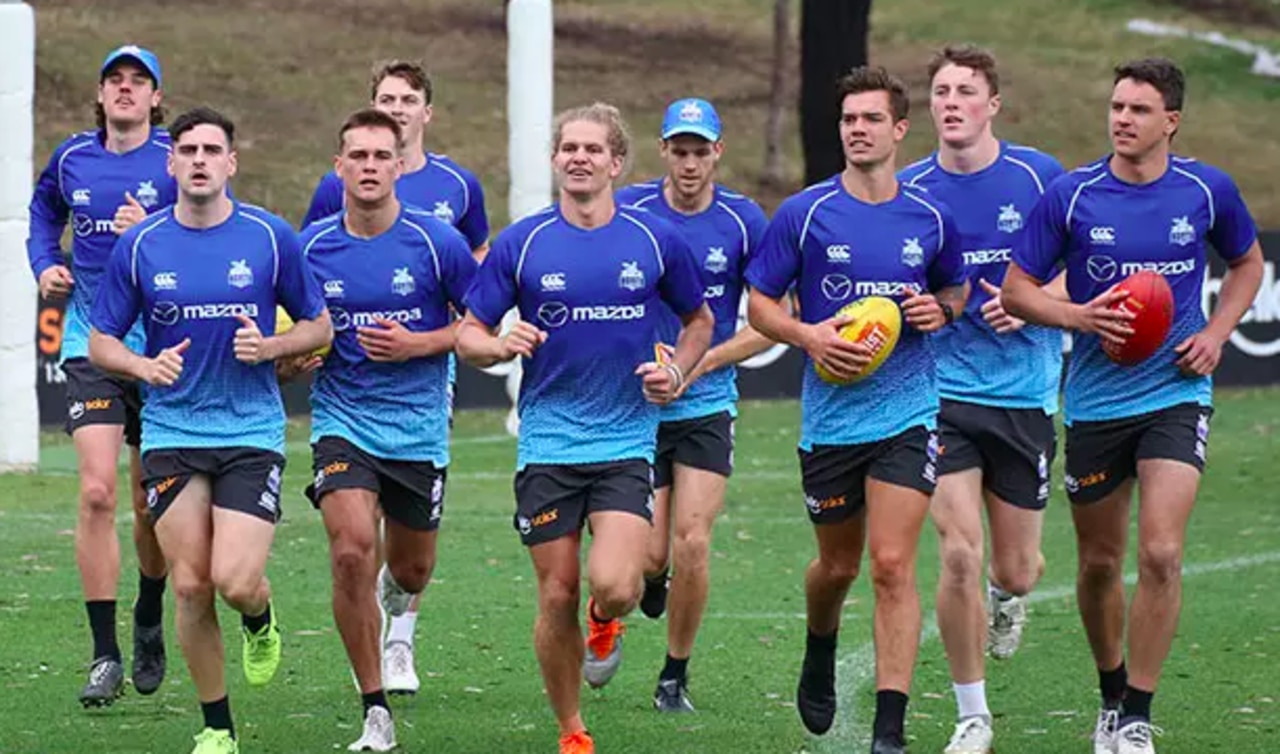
(967, 56)
(413, 74)
(369, 118)
(875, 79)
(201, 116)
(1161, 73)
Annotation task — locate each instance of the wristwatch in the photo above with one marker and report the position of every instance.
(947, 312)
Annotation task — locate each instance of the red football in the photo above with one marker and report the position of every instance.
(1151, 302)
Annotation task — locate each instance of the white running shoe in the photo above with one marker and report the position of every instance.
(394, 600)
(1005, 621)
(398, 674)
(1104, 731)
(379, 732)
(973, 736)
(1135, 738)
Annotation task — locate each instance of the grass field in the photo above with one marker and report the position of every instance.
(289, 72)
(481, 690)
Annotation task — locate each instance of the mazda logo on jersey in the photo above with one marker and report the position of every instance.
(165, 312)
(836, 287)
(340, 318)
(553, 313)
(1100, 267)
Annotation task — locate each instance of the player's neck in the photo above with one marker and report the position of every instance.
(121, 139)
(688, 204)
(970, 158)
(588, 212)
(1146, 168)
(202, 213)
(415, 158)
(372, 220)
(873, 185)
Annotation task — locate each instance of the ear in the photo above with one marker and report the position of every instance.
(616, 163)
(232, 163)
(426, 114)
(1172, 121)
(994, 105)
(156, 97)
(662, 147)
(168, 163)
(718, 149)
(900, 129)
(399, 168)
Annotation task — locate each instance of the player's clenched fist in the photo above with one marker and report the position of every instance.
(164, 369)
(128, 214)
(55, 283)
(522, 340)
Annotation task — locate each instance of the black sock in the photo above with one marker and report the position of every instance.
(675, 669)
(821, 644)
(147, 610)
(375, 699)
(255, 623)
(102, 622)
(658, 579)
(891, 714)
(217, 715)
(1112, 685)
(819, 656)
(1137, 704)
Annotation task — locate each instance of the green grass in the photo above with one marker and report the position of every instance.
(481, 689)
(289, 72)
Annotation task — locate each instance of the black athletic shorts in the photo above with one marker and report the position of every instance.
(411, 493)
(1101, 455)
(243, 479)
(95, 397)
(704, 442)
(834, 477)
(1014, 447)
(554, 500)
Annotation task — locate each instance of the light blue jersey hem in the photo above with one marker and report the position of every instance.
(1200, 400)
(210, 443)
(928, 421)
(1050, 408)
(437, 458)
(583, 459)
(676, 413)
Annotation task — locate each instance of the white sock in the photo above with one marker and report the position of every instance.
(971, 699)
(402, 628)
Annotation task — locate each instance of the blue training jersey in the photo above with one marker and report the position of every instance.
(838, 249)
(85, 183)
(1104, 230)
(599, 294)
(1021, 369)
(191, 283)
(442, 187)
(409, 274)
(723, 237)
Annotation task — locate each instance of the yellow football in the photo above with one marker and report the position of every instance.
(284, 322)
(877, 322)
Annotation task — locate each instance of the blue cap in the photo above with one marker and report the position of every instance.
(140, 55)
(691, 116)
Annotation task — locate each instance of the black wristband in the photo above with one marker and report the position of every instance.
(947, 312)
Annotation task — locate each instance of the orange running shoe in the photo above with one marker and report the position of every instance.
(604, 648)
(578, 742)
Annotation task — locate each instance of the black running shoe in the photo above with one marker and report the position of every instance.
(893, 744)
(106, 683)
(672, 695)
(654, 601)
(148, 658)
(816, 694)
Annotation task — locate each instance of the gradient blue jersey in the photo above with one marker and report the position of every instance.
(600, 295)
(1105, 230)
(84, 184)
(1021, 369)
(723, 237)
(409, 274)
(837, 249)
(442, 187)
(191, 283)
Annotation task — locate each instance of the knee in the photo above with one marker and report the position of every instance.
(412, 576)
(237, 589)
(558, 599)
(1100, 565)
(353, 564)
(692, 549)
(961, 563)
(892, 569)
(190, 589)
(1017, 573)
(838, 571)
(98, 497)
(1159, 563)
(616, 596)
